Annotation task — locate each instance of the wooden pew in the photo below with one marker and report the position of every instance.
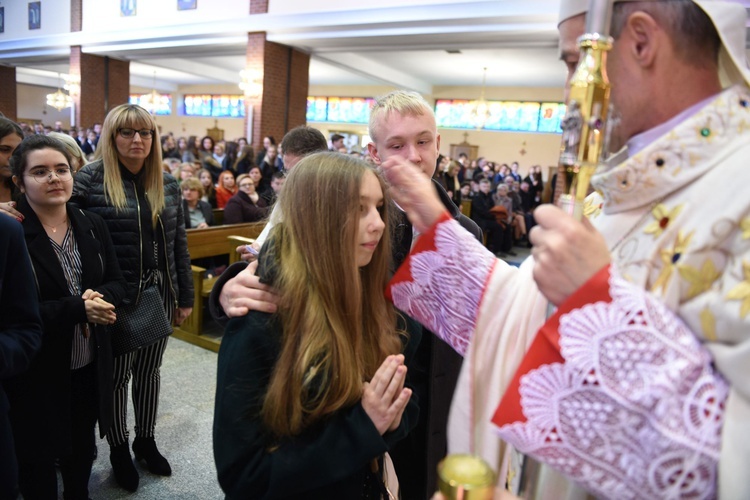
(210, 242)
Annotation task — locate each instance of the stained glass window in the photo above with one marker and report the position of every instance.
(502, 116)
(339, 109)
(223, 105)
(550, 117)
(163, 105)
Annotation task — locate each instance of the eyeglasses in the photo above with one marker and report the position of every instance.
(42, 175)
(129, 133)
(246, 185)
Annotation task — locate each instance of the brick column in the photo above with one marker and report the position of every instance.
(285, 75)
(105, 83)
(8, 97)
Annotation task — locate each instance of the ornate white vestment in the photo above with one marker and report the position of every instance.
(677, 218)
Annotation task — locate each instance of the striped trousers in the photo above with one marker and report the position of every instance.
(144, 365)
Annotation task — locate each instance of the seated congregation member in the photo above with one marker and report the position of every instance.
(225, 189)
(272, 194)
(246, 205)
(198, 213)
(262, 185)
(245, 161)
(206, 157)
(516, 224)
(184, 171)
(209, 189)
(56, 404)
(481, 213)
(309, 399)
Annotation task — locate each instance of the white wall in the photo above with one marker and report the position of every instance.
(55, 19)
(293, 6)
(104, 15)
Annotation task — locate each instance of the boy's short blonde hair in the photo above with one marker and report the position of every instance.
(403, 102)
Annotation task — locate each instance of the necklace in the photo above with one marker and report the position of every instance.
(54, 228)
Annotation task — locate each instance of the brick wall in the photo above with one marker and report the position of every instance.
(283, 104)
(119, 83)
(258, 6)
(299, 89)
(76, 15)
(105, 83)
(8, 99)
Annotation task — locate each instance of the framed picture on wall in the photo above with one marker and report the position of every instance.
(187, 4)
(127, 8)
(35, 15)
(2, 19)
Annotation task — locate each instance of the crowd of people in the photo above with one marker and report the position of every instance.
(338, 366)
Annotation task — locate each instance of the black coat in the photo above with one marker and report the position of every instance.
(40, 398)
(327, 461)
(205, 208)
(240, 208)
(20, 335)
(128, 233)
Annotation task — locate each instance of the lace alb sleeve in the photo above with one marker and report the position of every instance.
(442, 281)
(635, 410)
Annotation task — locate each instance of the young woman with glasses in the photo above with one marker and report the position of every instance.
(143, 210)
(56, 404)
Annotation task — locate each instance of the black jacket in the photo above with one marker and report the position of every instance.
(40, 398)
(204, 207)
(240, 208)
(20, 335)
(128, 233)
(327, 461)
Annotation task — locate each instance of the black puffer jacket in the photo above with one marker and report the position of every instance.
(127, 233)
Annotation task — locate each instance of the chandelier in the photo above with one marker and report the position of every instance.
(481, 108)
(251, 83)
(151, 101)
(59, 100)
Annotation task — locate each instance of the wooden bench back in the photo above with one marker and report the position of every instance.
(213, 241)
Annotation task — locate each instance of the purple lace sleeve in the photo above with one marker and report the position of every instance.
(636, 410)
(442, 281)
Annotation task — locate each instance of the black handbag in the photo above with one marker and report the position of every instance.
(139, 324)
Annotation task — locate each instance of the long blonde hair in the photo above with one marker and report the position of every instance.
(135, 117)
(337, 326)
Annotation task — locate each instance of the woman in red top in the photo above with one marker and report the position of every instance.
(225, 189)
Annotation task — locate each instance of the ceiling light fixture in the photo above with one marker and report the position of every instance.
(251, 83)
(72, 85)
(151, 101)
(481, 108)
(59, 100)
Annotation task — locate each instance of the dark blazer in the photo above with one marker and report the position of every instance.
(20, 335)
(40, 402)
(204, 207)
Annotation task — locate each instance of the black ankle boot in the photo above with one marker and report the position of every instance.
(145, 448)
(122, 465)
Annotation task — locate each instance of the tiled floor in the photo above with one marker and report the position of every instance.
(183, 432)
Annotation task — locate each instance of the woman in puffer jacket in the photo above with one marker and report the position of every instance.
(143, 211)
